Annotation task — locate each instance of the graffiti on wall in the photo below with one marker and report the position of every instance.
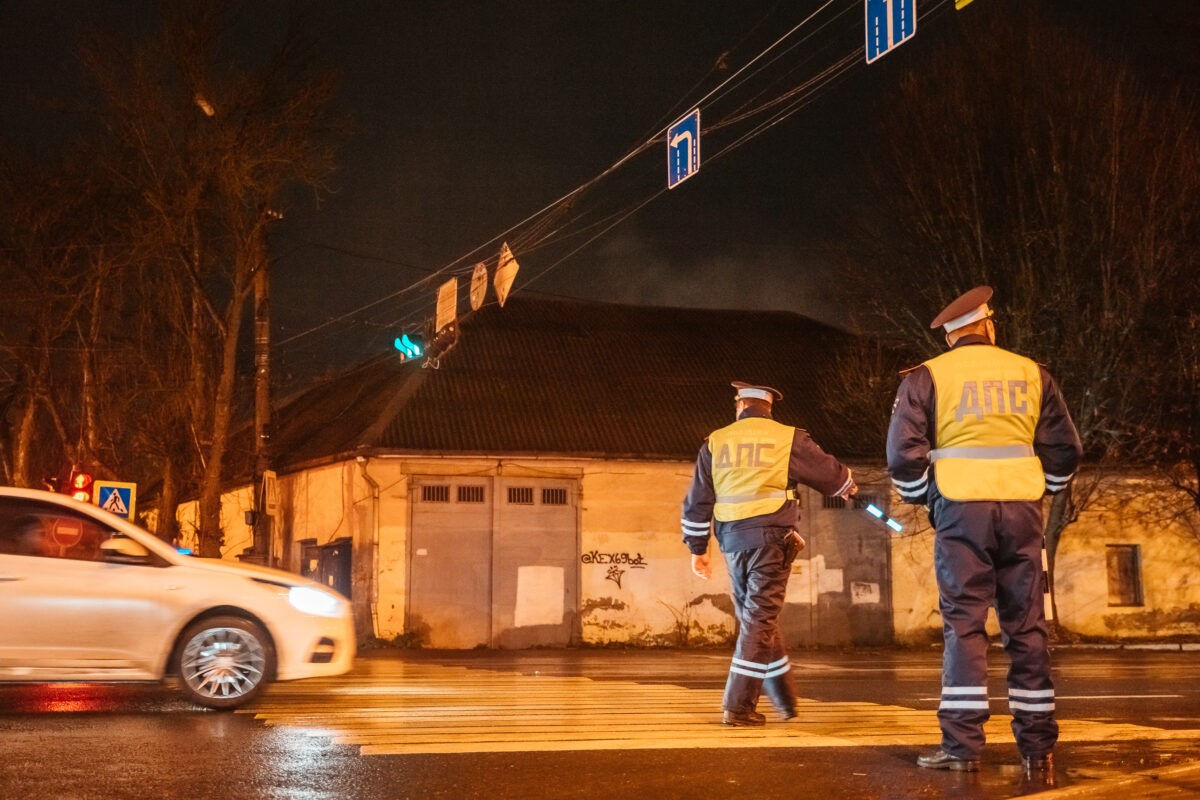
(618, 563)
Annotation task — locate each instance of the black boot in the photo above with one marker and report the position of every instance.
(943, 760)
(743, 719)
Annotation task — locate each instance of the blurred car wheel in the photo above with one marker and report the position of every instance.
(224, 662)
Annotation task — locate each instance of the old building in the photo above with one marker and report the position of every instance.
(526, 492)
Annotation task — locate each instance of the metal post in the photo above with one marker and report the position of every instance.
(262, 394)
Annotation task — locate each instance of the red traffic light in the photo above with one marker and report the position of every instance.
(81, 486)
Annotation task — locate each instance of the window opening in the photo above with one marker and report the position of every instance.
(1124, 575)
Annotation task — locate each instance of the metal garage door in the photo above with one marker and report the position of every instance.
(493, 562)
(450, 558)
(840, 589)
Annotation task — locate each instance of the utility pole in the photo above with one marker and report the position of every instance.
(262, 392)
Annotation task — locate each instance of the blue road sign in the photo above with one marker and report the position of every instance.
(889, 24)
(116, 496)
(683, 149)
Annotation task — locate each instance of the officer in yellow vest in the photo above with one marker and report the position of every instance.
(745, 480)
(979, 435)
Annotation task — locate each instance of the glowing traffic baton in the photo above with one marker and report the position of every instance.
(877, 512)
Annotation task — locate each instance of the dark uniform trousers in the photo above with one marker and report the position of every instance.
(973, 539)
(759, 579)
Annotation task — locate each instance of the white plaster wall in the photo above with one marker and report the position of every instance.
(1170, 561)
(1170, 572)
(238, 535)
(915, 615)
(630, 512)
(324, 503)
(392, 475)
(629, 520)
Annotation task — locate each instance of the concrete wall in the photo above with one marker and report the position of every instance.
(1133, 513)
(635, 580)
(915, 614)
(1170, 561)
(635, 584)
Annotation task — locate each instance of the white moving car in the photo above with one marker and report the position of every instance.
(87, 596)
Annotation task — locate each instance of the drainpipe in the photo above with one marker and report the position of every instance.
(362, 466)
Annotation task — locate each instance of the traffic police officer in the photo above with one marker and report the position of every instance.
(745, 479)
(979, 435)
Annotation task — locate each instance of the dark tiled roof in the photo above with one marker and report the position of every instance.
(567, 377)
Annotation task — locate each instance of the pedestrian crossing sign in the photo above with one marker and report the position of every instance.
(116, 497)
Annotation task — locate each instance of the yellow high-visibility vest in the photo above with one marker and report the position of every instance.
(750, 467)
(988, 403)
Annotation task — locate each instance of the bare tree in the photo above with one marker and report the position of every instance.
(1038, 163)
(42, 231)
(208, 138)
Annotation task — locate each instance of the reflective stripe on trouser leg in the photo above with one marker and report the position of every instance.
(1021, 611)
(1033, 723)
(964, 698)
(966, 590)
(758, 578)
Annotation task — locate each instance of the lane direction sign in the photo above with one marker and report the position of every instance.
(683, 148)
(889, 23)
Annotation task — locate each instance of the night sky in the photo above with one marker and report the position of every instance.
(473, 116)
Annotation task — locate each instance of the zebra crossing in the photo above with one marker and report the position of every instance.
(397, 707)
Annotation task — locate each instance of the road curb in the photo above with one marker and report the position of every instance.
(1151, 783)
(1161, 646)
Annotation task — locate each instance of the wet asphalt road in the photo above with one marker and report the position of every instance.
(309, 739)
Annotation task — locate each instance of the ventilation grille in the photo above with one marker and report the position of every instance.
(520, 495)
(470, 494)
(435, 494)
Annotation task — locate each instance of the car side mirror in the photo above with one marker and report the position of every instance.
(122, 550)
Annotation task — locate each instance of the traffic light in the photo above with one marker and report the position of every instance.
(442, 341)
(80, 486)
(410, 347)
(426, 345)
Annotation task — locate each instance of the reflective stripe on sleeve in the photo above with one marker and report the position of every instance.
(845, 486)
(1056, 483)
(921, 481)
(913, 490)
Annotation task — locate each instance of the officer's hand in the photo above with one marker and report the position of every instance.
(851, 490)
(701, 566)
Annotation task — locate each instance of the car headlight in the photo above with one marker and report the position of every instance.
(317, 602)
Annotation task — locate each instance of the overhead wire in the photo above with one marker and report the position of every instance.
(551, 223)
(490, 243)
(800, 96)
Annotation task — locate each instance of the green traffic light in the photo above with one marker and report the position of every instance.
(407, 347)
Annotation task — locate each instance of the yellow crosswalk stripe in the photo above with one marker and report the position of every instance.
(388, 707)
